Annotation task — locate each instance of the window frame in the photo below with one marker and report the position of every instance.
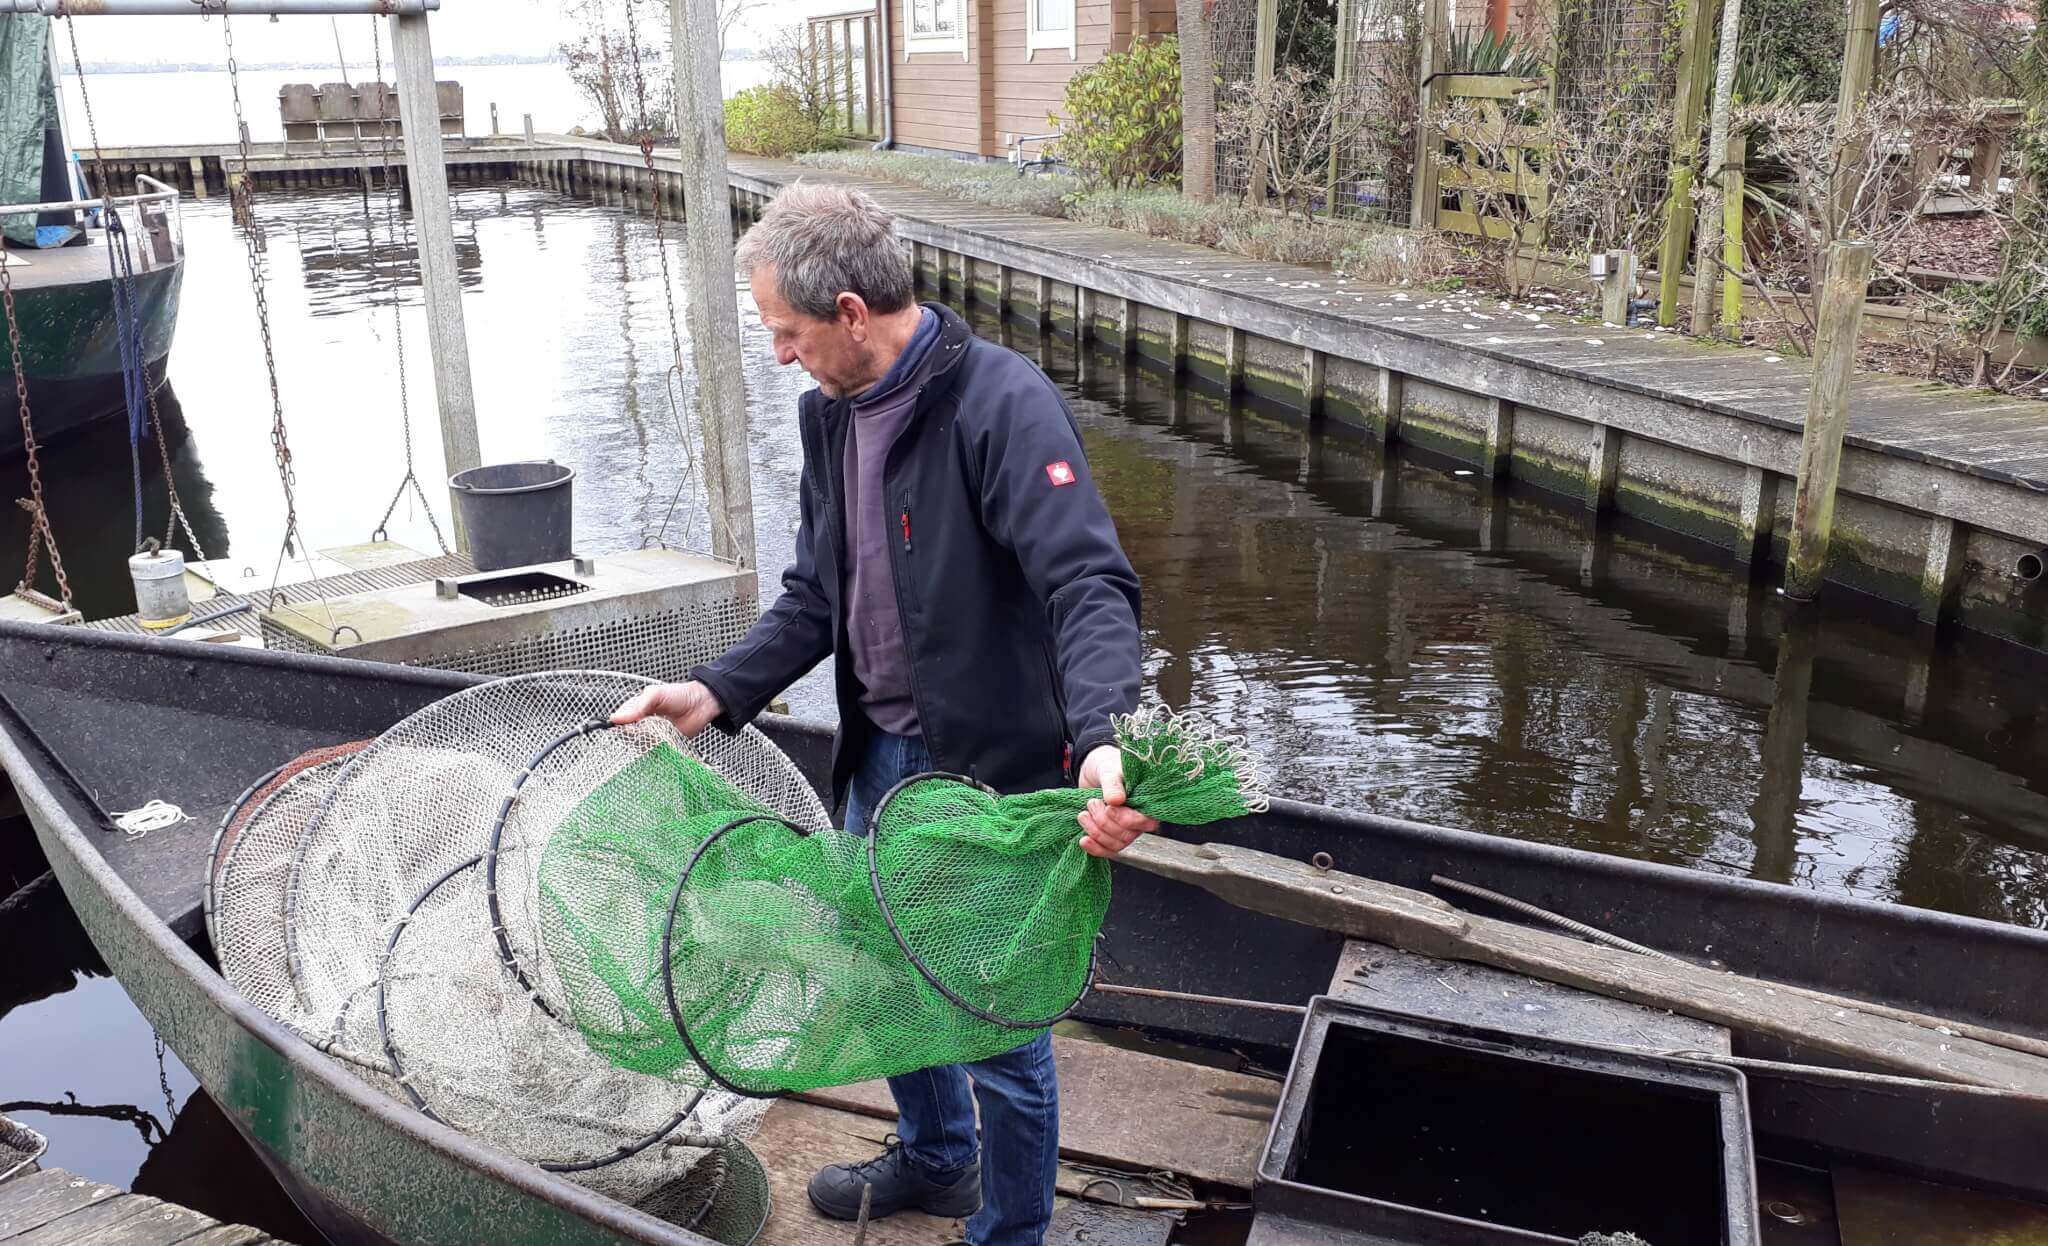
(1037, 40)
(915, 43)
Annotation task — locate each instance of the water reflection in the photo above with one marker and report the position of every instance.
(1402, 638)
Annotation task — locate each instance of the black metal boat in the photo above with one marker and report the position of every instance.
(92, 721)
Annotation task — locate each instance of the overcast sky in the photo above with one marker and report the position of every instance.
(460, 28)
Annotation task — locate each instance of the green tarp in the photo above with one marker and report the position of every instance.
(28, 107)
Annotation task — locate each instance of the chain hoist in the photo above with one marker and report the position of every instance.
(40, 533)
(177, 518)
(392, 230)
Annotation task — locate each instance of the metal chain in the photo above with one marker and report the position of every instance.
(391, 228)
(243, 194)
(673, 379)
(177, 517)
(39, 530)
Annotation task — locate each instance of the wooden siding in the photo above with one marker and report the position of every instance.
(1028, 92)
(937, 95)
(979, 105)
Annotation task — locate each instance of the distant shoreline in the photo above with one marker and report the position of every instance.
(172, 67)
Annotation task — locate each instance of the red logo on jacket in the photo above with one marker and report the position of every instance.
(1059, 473)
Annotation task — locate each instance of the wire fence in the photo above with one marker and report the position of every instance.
(1378, 120)
(1233, 36)
(1615, 81)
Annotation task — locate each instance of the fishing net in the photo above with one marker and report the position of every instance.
(20, 1147)
(686, 931)
(357, 897)
(246, 806)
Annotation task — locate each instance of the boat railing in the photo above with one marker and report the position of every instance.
(152, 219)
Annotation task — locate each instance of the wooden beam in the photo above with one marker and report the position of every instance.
(1364, 908)
(1733, 214)
(1603, 466)
(711, 299)
(1827, 414)
(1705, 268)
(1695, 60)
(419, 111)
(1422, 200)
(1859, 65)
(1266, 38)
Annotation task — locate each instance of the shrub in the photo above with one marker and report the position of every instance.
(1122, 125)
(1392, 256)
(997, 185)
(770, 121)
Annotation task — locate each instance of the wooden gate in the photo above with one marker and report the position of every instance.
(1489, 168)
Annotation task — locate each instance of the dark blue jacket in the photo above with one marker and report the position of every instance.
(1020, 611)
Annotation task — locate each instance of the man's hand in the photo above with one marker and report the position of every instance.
(1110, 825)
(690, 706)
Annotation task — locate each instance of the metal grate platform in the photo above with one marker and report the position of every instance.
(306, 594)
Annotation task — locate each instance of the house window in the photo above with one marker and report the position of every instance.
(1049, 24)
(936, 26)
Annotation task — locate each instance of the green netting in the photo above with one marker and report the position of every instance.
(686, 921)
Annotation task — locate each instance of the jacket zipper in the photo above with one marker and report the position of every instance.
(906, 523)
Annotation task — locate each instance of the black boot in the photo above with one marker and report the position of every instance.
(898, 1183)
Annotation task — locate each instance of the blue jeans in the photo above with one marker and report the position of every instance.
(1018, 1091)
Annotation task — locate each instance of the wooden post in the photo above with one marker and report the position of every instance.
(711, 300)
(1705, 268)
(1265, 44)
(1422, 205)
(529, 127)
(1859, 64)
(1197, 102)
(1827, 412)
(1695, 58)
(1312, 385)
(1498, 453)
(419, 111)
(1603, 465)
(1941, 574)
(1732, 215)
(846, 69)
(1391, 399)
(1757, 520)
(1233, 360)
(1341, 69)
(1177, 346)
(1618, 288)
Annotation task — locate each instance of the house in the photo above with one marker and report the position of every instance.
(974, 77)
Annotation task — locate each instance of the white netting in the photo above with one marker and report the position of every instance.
(352, 900)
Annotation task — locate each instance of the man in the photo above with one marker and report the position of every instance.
(955, 561)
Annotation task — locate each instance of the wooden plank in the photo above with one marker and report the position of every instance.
(1881, 1209)
(794, 1141)
(1134, 1110)
(30, 1202)
(230, 1235)
(124, 1220)
(1377, 912)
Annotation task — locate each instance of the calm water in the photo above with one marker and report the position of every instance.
(1392, 635)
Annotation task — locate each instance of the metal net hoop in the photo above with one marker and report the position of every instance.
(473, 1055)
(896, 881)
(625, 767)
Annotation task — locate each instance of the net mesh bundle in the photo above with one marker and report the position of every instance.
(781, 958)
(381, 900)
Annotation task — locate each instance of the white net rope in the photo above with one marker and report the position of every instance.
(361, 901)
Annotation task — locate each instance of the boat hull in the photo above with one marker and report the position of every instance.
(365, 1168)
(361, 1167)
(71, 352)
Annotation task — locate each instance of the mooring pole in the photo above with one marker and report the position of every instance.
(1827, 413)
(711, 301)
(419, 112)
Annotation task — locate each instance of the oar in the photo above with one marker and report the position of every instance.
(1363, 908)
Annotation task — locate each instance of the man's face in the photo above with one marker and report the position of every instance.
(833, 350)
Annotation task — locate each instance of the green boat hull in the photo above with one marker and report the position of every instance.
(71, 351)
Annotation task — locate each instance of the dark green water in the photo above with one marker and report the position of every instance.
(1392, 635)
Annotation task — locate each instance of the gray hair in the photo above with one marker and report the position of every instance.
(823, 240)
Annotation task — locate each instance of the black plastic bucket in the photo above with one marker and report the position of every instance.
(516, 514)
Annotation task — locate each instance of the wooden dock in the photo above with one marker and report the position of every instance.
(53, 1206)
(1944, 491)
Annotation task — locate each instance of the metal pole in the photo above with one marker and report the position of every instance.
(711, 299)
(1827, 414)
(419, 112)
(198, 8)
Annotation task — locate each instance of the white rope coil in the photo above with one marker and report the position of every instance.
(157, 815)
